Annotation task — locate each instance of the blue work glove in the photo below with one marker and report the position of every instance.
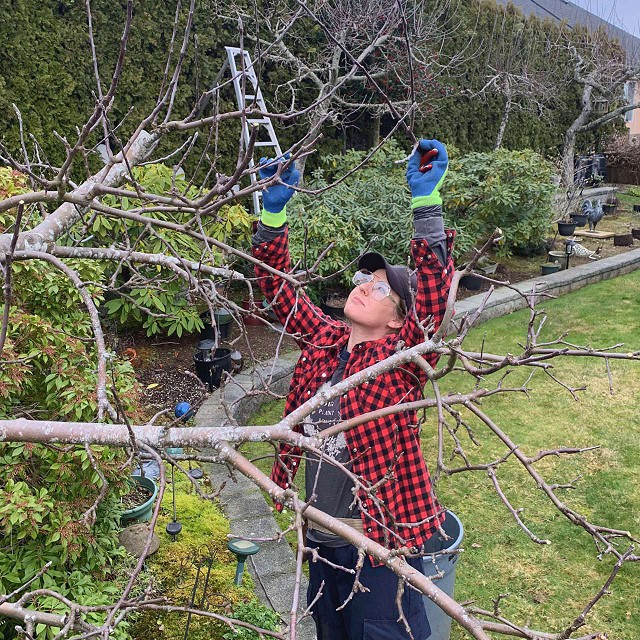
(425, 185)
(275, 198)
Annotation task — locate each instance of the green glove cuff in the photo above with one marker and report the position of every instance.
(270, 219)
(427, 201)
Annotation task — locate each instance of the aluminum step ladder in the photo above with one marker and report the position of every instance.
(244, 80)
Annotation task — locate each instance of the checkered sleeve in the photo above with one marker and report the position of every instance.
(434, 281)
(299, 316)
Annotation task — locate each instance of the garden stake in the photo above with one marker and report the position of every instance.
(174, 528)
(193, 599)
(206, 583)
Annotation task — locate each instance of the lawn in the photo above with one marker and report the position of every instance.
(548, 585)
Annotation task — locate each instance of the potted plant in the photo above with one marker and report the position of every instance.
(623, 240)
(567, 206)
(222, 318)
(579, 217)
(138, 502)
(255, 311)
(550, 267)
(566, 227)
(333, 304)
(610, 204)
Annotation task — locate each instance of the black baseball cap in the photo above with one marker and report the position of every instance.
(401, 279)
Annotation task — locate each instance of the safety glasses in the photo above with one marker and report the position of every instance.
(380, 289)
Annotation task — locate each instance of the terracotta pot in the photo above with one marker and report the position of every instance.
(253, 319)
(622, 240)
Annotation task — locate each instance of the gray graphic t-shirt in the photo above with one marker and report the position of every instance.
(332, 487)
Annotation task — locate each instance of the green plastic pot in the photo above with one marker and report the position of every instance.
(141, 513)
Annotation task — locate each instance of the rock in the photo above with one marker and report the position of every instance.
(134, 538)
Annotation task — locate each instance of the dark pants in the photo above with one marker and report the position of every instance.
(371, 615)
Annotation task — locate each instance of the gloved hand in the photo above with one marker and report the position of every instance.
(425, 185)
(275, 198)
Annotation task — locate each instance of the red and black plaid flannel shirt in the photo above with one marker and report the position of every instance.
(388, 446)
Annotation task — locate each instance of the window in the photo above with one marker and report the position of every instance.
(630, 94)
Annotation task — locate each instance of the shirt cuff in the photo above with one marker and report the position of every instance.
(271, 219)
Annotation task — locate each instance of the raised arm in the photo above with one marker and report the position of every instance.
(292, 306)
(431, 245)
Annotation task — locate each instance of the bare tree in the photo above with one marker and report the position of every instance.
(601, 69)
(54, 236)
(368, 57)
(520, 64)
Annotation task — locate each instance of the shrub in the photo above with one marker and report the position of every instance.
(507, 189)
(163, 304)
(45, 491)
(367, 209)
(512, 190)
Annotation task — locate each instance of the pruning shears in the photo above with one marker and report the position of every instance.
(426, 158)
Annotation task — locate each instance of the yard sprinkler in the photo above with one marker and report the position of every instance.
(183, 411)
(242, 549)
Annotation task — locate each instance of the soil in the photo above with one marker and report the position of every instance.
(166, 373)
(164, 366)
(137, 496)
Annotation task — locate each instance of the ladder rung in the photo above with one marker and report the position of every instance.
(265, 144)
(258, 121)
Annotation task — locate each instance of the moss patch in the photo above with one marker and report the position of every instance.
(173, 570)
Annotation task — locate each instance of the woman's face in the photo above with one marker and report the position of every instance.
(379, 316)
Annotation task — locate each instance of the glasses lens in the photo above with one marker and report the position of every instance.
(380, 290)
(362, 277)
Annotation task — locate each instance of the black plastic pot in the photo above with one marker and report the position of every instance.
(636, 208)
(622, 240)
(471, 282)
(580, 219)
(210, 371)
(223, 324)
(608, 208)
(635, 233)
(566, 228)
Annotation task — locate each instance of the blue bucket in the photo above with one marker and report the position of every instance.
(445, 563)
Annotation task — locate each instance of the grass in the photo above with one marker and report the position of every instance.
(549, 585)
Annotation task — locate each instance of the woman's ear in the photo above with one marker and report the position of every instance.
(395, 323)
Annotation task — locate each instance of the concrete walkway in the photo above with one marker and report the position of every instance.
(273, 568)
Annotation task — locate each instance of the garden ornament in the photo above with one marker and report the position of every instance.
(242, 549)
(183, 411)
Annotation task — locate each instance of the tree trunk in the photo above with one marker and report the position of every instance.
(503, 123)
(569, 147)
(375, 128)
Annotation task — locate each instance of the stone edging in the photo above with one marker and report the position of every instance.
(273, 568)
(505, 300)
